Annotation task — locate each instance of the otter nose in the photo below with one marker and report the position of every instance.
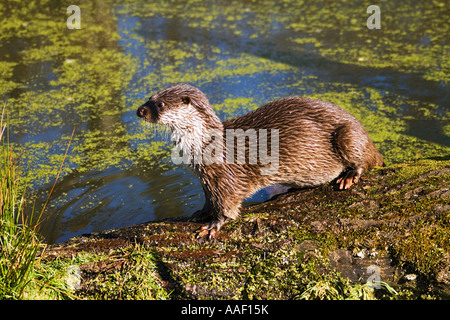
(142, 111)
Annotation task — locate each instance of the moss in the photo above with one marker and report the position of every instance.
(407, 171)
(334, 287)
(284, 250)
(120, 273)
(423, 249)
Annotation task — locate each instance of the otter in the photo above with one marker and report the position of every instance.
(311, 142)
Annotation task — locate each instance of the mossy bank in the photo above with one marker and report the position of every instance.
(314, 243)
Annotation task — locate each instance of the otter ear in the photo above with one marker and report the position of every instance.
(186, 100)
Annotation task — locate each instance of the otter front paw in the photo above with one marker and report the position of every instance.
(204, 232)
(210, 230)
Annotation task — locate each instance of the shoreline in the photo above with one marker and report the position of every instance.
(391, 226)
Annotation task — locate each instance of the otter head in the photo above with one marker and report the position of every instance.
(180, 107)
(188, 114)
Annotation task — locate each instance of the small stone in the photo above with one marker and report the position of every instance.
(410, 277)
(361, 254)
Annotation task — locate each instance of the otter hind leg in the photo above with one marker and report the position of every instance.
(353, 146)
(348, 178)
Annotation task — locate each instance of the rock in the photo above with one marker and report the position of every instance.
(411, 277)
(395, 223)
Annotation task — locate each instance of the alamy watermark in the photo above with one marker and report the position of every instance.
(374, 280)
(238, 146)
(74, 20)
(73, 277)
(374, 21)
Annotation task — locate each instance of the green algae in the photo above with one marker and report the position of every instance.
(89, 71)
(406, 41)
(374, 107)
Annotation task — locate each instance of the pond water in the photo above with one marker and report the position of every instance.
(242, 54)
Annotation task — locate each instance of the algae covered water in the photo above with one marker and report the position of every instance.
(242, 54)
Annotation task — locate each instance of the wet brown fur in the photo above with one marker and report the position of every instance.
(318, 142)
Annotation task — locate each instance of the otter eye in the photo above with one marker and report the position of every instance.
(160, 104)
(186, 100)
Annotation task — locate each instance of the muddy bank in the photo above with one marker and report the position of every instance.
(394, 226)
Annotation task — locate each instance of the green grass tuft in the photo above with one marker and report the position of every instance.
(19, 243)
